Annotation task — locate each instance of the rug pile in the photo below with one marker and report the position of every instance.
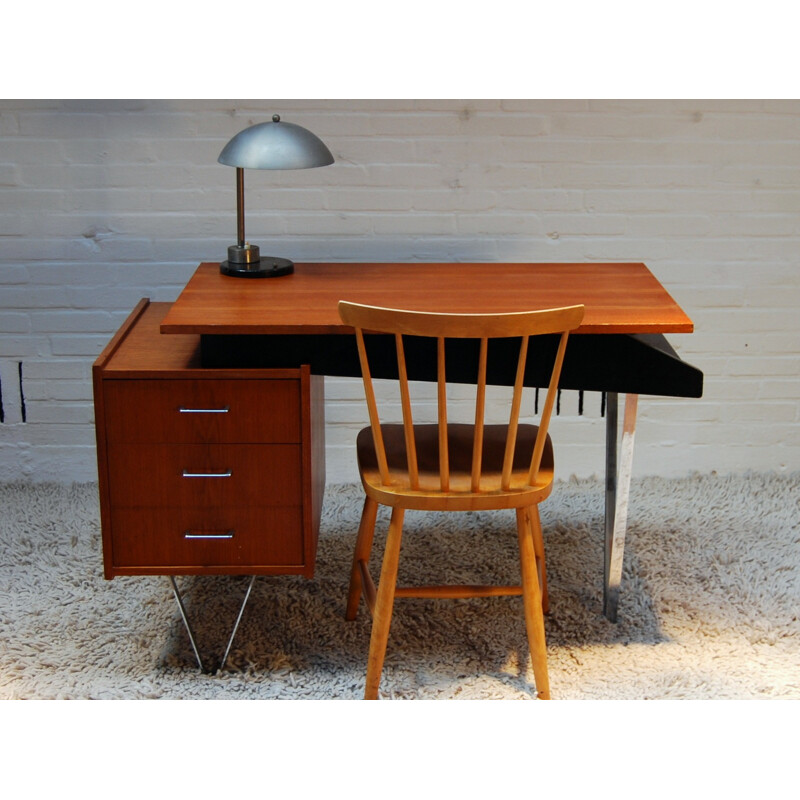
(709, 605)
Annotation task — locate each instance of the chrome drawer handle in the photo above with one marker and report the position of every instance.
(223, 410)
(226, 474)
(226, 535)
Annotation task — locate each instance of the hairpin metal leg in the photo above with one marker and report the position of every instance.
(186, 622)
(618, 482)
(189, 627)
(238, 620)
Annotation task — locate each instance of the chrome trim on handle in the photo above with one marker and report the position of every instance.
(225, 474)
(223, 410)
(190, 535)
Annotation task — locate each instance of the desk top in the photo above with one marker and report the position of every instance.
(619, 298)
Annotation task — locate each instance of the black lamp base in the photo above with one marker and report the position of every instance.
(266, 267)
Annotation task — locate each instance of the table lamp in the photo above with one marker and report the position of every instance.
(268, 145)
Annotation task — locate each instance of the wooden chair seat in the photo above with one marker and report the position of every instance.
(460, 442)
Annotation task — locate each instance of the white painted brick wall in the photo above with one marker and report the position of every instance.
(105, 202)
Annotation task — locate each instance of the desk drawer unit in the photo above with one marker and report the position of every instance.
(204, 471)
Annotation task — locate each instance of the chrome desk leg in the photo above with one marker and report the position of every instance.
(189, 627)
(618, 483)
(238, 620)
(186, 622)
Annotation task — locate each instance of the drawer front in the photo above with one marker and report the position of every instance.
(207, 538)
(227, 410)
(205, 475)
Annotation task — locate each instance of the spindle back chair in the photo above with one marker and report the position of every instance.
(449, 466)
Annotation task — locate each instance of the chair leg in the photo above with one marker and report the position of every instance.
(366, 533)
(382, 617)
(532, 601)
(538, 546)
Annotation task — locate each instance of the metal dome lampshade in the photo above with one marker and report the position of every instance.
(268, 145)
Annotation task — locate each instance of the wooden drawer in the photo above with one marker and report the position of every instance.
(205, 475)
(164, 541)
(178, 410)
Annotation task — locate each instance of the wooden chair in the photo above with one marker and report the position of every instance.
(454, 467)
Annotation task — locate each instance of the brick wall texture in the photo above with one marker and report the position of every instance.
(105, 202)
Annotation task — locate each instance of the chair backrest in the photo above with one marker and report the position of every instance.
(461, 326)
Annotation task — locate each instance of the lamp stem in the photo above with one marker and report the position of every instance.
(240, 205)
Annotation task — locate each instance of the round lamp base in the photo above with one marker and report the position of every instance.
(266, 267)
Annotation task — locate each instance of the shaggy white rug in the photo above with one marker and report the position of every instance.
(709, 604)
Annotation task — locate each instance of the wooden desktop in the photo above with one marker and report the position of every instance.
(619, 298)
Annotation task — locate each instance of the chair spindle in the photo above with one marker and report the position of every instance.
(372, 408)
(547, 410)
(480, 406)
(408, 421)
(444, 460)
(513, 420)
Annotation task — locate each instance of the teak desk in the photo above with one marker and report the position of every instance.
(290, 321)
